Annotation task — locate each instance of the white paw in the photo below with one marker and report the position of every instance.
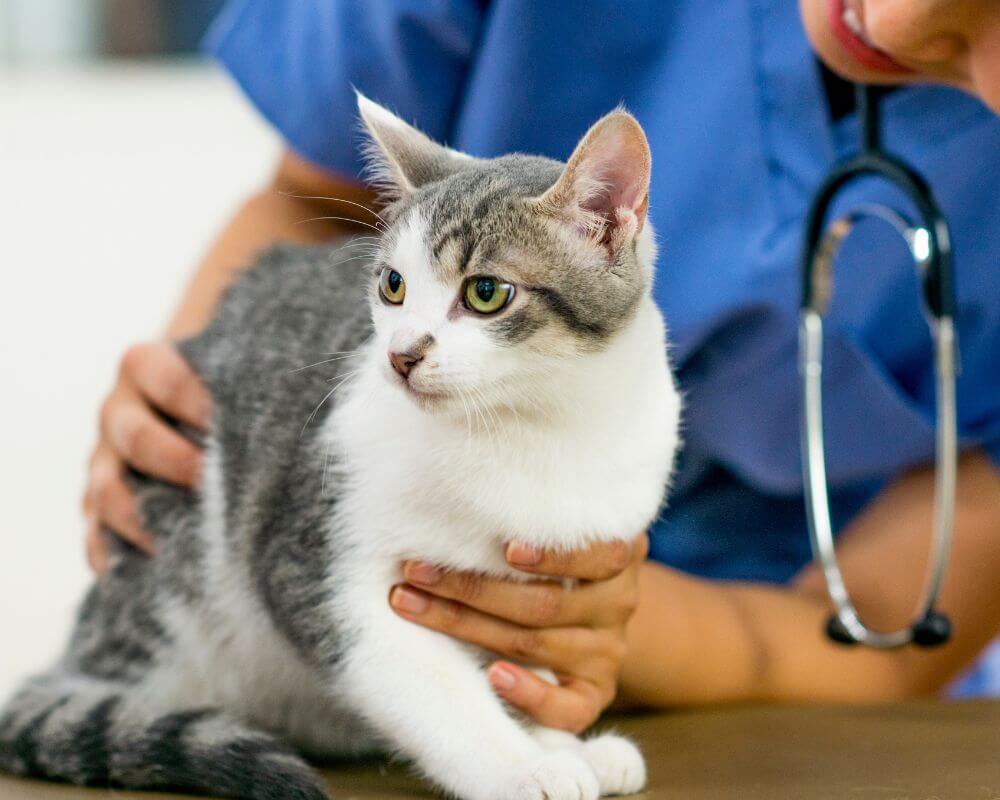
(560, 775)
(618, 764)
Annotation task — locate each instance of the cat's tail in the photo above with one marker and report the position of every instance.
(93, 733)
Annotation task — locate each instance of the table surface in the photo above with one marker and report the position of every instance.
(923, 750)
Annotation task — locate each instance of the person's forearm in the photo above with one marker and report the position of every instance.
(698, 642)
(286, 210)
(694, 641)
(264, 219)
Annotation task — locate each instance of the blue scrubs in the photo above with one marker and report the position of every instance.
(731, 98)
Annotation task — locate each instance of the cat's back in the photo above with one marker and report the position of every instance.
(283, 335)
(285, 312)
(295, 307)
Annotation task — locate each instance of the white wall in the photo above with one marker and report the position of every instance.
(112, 182)
(32, 31)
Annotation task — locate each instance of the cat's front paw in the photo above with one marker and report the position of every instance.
(560, 775)
(618, 764)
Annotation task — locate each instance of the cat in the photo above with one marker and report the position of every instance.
(499, 373)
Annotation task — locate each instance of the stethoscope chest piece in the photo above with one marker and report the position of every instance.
(930, 247)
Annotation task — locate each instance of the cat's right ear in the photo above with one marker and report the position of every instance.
(401, 159)
(603, 192)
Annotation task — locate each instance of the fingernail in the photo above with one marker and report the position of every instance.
(502, 678)
(524, 555)
(419, 572)
(405, 599)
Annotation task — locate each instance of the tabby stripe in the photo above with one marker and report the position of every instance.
(557, 304)
(25, 745)
(91, 739)
(455, 232)
(167, 751)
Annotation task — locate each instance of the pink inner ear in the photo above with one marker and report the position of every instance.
(603, 190)
(620, 162)
(621, 188)
(617, 161)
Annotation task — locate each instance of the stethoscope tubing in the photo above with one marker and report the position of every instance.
(929, 244)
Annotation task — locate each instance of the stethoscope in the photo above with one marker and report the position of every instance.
(929, 245)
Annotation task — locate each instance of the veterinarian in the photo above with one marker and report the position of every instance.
(743, 121)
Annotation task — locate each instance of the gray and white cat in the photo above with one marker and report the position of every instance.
(502, 375)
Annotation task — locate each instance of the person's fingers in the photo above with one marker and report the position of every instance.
(96, 546)
(600, 561)
(113, 502)
(582, 650)
(574, 705)
(539, 604)
(167, 380)
(148, 444)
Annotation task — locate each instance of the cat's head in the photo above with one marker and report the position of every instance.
(496, 276)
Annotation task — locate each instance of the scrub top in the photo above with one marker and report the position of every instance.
(733, 102)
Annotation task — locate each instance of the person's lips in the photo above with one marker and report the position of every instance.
(847, 23)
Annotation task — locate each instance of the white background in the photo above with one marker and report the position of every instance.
(113, 180)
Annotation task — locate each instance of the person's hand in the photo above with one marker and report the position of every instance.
(154, 382)
(578, 632)
(955, 42)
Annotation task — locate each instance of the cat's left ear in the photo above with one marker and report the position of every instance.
(401, 158)
(604, 189)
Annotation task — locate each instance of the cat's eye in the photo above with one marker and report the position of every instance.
(486, 295)
(391, 286)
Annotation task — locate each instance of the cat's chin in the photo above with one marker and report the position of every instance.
(426, 400)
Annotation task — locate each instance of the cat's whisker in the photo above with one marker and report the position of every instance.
(326, 397)
(362, 240)
(483, 424)
(362, 248)
(545, 413)
(502, 425)
(468, 422)
(342, 219)
(338, 200)
(343, 375)
(516, 416)
(337, 357)
(490, 420)
(315, 411)
(359, 257)
(354, 249)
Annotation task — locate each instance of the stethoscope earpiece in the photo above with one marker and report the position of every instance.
(836, 631)
(933, 630)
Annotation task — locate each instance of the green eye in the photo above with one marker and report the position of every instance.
(391, 286)
(487, 295)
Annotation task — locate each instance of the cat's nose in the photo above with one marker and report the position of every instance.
(404, 361)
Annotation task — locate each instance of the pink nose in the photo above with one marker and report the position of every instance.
(404, 361)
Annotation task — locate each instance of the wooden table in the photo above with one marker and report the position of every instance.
(913, 751)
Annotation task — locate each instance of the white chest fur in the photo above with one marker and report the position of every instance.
(451, 491)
